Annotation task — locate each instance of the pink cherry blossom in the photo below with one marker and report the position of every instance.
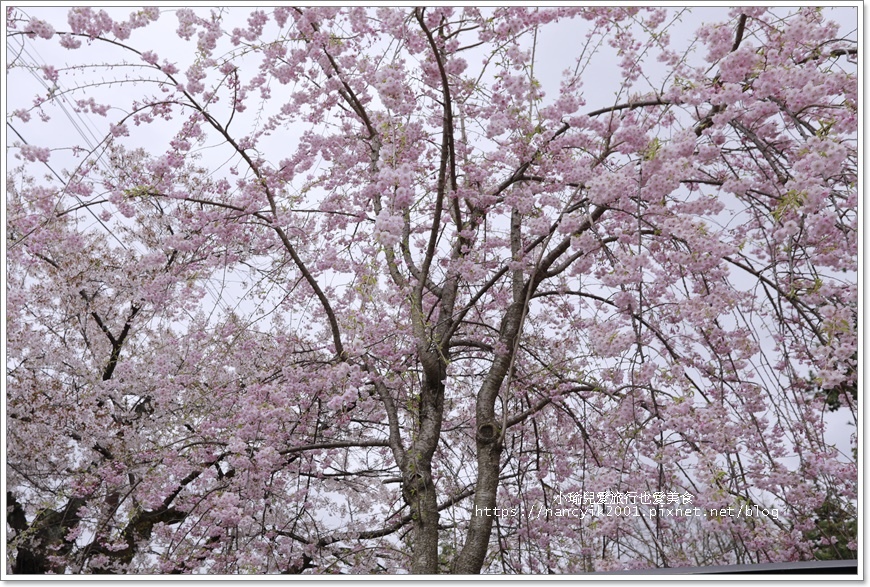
(392, 290)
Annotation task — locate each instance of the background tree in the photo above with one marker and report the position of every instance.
(334, 284)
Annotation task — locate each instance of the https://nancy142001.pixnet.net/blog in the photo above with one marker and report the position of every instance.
(591, 504)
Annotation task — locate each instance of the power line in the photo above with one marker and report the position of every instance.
(58, 94)
(61, 179)
(30, 68)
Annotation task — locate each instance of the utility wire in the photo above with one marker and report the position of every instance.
(62, 101)
(61, 179)
(34, 63)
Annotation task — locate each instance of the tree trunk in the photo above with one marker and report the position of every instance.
(489, 448)
(418, 488)
(470, 559)
(419, 493)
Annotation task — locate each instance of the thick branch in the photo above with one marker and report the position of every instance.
(707, 122)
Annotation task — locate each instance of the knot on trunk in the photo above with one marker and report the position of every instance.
(487, 432)
(415, 483)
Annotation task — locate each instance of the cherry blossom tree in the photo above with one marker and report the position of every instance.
(368, 291)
